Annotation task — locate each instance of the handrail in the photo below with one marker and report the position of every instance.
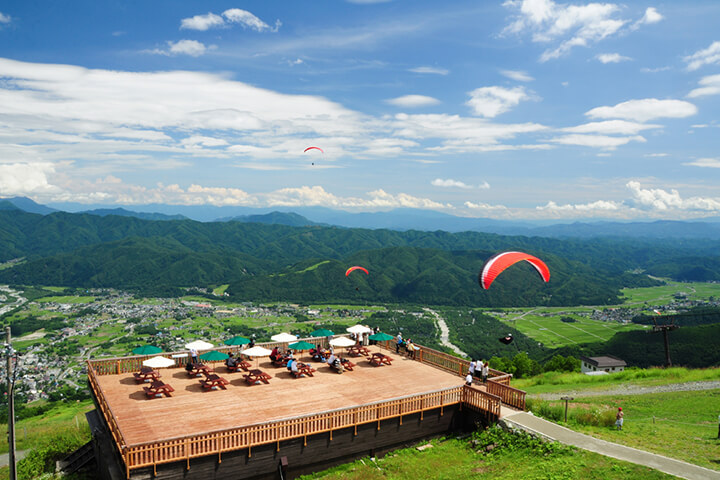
(509, 395)
(484, 401)
(106, 409)
(181, 448)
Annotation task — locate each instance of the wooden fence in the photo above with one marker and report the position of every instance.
(509, 395)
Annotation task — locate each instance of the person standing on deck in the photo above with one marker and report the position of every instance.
(471, 368)
(485, 371)
(399, 341)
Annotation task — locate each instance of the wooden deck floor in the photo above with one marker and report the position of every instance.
(191, 410)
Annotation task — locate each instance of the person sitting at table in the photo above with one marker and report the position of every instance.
(337, 364)
(319, 354)
(331, 359)
(189, 366)
(274, 354)
(290, 363)
(294, 367)
(231, 362)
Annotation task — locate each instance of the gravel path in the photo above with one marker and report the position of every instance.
(632, 390)
(445, 333)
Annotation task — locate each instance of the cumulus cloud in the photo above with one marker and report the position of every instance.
(182, 47)
(490, 102)
(517, 75)
(486, 207)
(4, 18)
(709, 85)
(202, 22)
(705, 162)
(430, 70)
(596, 141)
(582, 207)
(611, 127)
(651, 16)
(25, 178)
(566, 24)
(707, 56)
(645, 110)
(662, 200)
(413, 101)
(230, 16)
(449, 183)
(612, 58)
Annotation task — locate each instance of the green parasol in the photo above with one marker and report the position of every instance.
(146, 350)
(301, 346)
(235, 341)
(381, 337)
(213, 356)
(323, 332)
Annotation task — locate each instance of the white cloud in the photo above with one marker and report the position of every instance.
(449, 183)
(517, 75)
(705, 163)
(645, 109)
(182, 47)
(651, 155)
(430, 70)
(248, 20)
(710, 85)
(611, 58)
(202, 22)
(317, 195)
(662, 200)
(25, 178)
(655, 70)
(486, 207)
(582, 207)
(596, 141)
(490, 102)
(708, 56)
(4, 18)
(571, 25)
(651, 16)
(611, 127)
(202, 141)
(413, 101)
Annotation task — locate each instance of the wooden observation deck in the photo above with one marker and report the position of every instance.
(195, 423)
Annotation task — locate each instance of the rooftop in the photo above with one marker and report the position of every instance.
(192, 411)
(604, 361)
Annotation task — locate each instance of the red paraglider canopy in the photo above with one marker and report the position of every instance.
(352, 269)
(313, 148)
(498, 263)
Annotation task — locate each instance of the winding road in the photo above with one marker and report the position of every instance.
(445, 333)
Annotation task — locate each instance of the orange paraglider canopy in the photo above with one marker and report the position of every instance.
(496, 264)
(313, 148)
(352, 269)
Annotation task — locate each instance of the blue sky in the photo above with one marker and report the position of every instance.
(510, 110)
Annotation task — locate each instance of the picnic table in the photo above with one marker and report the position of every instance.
(303, 369)
(378, 359)
(256, 376)
(241, 364)
(280, 361)
(158, 388)
(347, 364)
(212, 381)
(146, 374)
(357, 350)
(198, 370)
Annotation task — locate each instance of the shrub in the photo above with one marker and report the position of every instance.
(41, 460)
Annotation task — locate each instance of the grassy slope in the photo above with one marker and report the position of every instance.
(455, 459)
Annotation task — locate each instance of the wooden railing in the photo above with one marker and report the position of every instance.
(509, 395)
(483, 401)
(116, 366)
(105, 409)
(214, 443)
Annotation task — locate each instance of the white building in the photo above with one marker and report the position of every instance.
(606, 363)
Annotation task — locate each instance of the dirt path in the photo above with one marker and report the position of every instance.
(445, 333)
(632, 390)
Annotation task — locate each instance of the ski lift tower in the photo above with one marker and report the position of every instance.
(666, 330)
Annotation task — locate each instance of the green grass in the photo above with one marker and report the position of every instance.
(221, 289)
(565, 382)
(554, 333)
(455, 459)
(31, 432)
(67, 299)
(664, 294)
(682, 425)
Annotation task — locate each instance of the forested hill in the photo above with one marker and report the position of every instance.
(274, 262)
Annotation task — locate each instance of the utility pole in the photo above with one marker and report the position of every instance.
(11, 406)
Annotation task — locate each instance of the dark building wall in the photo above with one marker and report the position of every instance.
(319, 453)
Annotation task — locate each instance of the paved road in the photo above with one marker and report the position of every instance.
(5, 457)
(530, 423)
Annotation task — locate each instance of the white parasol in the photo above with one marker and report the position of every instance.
(284, 338)
(158, 362)
(359, 329)
(257, 351)
(342, 342)
(199, 345)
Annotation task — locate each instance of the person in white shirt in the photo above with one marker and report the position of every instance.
(468, 379)
(485, 370)
(471, 368)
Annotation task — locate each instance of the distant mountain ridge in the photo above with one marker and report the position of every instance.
(400, 219)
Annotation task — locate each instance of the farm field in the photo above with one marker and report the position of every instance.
(554, 333)
(665, 294)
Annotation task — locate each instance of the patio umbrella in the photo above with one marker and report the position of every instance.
(236, 341)
(257, 351)
(381, 337)
(323, 332)
(213, 356)
(146, 350)
(342, 342)
(283, 337)
(359, 329)
(158, 362)
(301, 346)
(199, 345)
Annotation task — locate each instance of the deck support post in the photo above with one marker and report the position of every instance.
(187, 452)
